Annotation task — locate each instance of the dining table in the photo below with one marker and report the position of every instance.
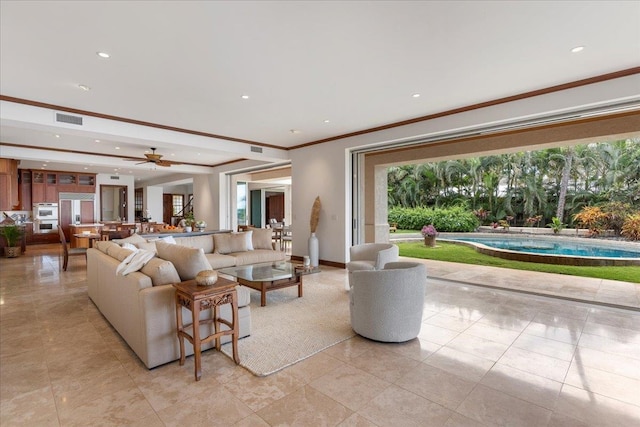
(85, 240)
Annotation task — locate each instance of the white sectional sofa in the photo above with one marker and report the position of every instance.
(141, 305)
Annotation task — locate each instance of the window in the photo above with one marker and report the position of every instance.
(177, 202)
(242, 203)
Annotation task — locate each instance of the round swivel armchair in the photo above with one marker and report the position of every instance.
(386, 305)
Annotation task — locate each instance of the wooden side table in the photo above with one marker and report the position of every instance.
(197, 298)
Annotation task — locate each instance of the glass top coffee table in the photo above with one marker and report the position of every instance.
(268, 276)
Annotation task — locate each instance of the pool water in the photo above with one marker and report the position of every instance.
(548, 247)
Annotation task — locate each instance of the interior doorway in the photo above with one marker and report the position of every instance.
(113, 203)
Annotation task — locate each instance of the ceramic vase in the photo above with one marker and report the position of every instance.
(313, 250)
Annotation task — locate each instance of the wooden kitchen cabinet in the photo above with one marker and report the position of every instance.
(8, 184)
(24, 190)
(51, 188)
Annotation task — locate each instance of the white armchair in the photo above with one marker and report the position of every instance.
(371, 256)
(386, 305)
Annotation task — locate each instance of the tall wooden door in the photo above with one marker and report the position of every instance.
(167, 208)
(275, 206)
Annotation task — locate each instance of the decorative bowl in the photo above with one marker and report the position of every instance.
(207, 277)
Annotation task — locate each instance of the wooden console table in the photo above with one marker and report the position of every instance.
(197, 298)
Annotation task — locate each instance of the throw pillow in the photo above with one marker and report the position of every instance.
(147, 246)
(221, 243)
(187, 261)
(129, 246)
(133, 239)
(168, 239)
(262, 238)
(249, 237)
(139, 259)
(226, 243)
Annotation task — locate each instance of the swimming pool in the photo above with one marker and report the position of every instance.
(553, 249)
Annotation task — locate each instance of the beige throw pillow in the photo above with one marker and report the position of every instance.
(262, 238)
(133, 239)
(187, 261)
(226, 243)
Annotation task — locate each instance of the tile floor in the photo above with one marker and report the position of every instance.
(484, 357)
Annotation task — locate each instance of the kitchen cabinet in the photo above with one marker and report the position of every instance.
(86, 183)
(37, 187)
(24, 190)
(8, 184)
(67, 182)
(51, 188)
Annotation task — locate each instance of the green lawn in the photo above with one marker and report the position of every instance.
(466, 255)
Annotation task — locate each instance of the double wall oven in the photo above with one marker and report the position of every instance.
(45, 217)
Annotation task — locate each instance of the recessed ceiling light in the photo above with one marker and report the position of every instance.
(416, 95)
(86, 168)
(245, 96)
(577, 49)
(294, 131)
(97, 140)
(84, 87)
(326, 121)
(117, 148)
(103, 55)
(44, 164)
(57, 136)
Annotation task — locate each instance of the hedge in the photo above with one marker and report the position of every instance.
(443, 219)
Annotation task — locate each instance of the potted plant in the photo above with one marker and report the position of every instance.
(429, 233)
(12, 234)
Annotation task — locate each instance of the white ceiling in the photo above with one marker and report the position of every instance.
(186, 64)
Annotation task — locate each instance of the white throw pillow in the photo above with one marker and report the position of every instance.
(139, 259)
(128, 245)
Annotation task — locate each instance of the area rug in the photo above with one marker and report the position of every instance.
(290, 329)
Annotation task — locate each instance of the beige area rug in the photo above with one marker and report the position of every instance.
(290, 329)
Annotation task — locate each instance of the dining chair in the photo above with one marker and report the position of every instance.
(69, 251)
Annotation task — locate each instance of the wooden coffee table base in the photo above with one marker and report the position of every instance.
(272, 285)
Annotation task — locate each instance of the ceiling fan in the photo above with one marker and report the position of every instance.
(155, 159)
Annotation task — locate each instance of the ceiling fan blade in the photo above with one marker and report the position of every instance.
(142, 163)
(163, 163)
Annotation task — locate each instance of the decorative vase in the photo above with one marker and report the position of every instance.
(430, 241)
(313, 250)
(187, 229)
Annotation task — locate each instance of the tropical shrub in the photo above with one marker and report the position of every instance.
(556, 225)
(592, 218)
(449, 219)
(617, 213)
(631, 227)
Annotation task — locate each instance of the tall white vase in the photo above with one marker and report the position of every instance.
(313, 250)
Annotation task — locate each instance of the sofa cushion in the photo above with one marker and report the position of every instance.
(133, 239)
(118, 253)
(204, 242)
(258, 255)
(187, 261)
(161, 272)
(166, 239)
(103, 245)
(220, 261)
(262, 238)
(225, 243)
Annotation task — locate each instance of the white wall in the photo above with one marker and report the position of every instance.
(153, 202)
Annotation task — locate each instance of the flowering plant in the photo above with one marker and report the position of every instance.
(201, 224)
(429, 230)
